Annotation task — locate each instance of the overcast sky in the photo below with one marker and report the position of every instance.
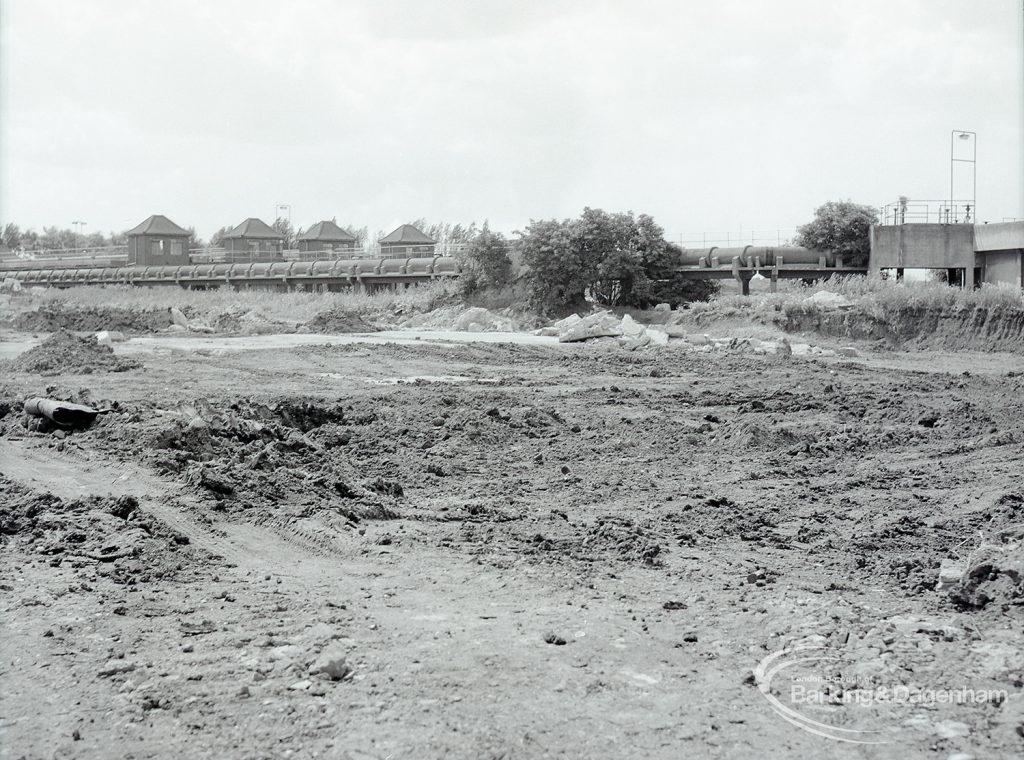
(707, 115)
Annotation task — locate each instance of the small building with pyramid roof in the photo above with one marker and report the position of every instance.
(328, 237)
(158, 242)
(406, 242)
(256, 238)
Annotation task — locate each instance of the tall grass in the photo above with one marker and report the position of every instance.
(871, 295)
(294, 306)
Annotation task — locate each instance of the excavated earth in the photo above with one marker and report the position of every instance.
(502, 551)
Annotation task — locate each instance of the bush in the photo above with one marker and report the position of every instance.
(613, 259)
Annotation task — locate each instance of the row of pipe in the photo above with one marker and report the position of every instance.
(342, 269)
(756, 256)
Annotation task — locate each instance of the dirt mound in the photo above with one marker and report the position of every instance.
(66, 353)
(339, 320)
(57, 316)
(980, 329)
(109, 532)
(292, 453)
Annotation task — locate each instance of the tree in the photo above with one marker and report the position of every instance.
(283, 226)
(614, 259)
(194, 241)
(217, 238)
(555, 273)
(11, 236)
(842, 228)
(486, 261)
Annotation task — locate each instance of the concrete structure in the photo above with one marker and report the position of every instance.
(158, 242)
(405, 242)
(256, 238)
(328, 237)
(971, 253)
(1000, 250)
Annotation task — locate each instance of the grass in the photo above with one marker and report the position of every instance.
(872, 296)
(270, 305)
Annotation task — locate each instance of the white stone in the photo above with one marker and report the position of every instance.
(630, 327)
(826, 299)
(658, 336)
(595, 326)
(109, 337)
(178, 318)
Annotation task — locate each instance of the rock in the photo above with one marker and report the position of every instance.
(698, 340)
(950, 574)
(630, 327)
(178, 318)
(555, 639)
(479, 319)
(332, 662)
(556, 328)
(116, 667)
(826, 299)
(177, 328)
(960, 756)
(847, 351)
(673, 605)
(996, 574)
(632, 344)
(109, 337)
(784, 348)
(602, 324)
(928, 420)
(11, 284)
(658, 337)
(199, 327)
(302, 685)
(663, 307)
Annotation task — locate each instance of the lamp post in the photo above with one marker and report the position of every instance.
(78, 227)
(277, 211)
(964, 136)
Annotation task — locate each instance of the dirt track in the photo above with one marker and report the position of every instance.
(673, 517)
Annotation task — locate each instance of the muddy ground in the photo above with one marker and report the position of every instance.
(543, 551)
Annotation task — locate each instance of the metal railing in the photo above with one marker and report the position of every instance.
(777, 237)
(928, 211)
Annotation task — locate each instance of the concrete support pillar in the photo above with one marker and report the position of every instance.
(968, 278)
(899, 274)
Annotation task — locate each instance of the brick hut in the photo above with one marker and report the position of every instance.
(255, 238)
(156, 242)
(327, 236)
(406, 242)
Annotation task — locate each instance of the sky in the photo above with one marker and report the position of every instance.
(709, 116)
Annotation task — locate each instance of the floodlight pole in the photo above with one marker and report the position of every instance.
(78, 226)
(964, 134)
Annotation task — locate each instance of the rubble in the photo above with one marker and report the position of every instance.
(600, 325)
(473, 319)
